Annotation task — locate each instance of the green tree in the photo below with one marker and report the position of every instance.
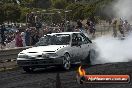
(44, 4)
(59, 4)
(77, 11)
(12, 12)
(70, 1)
(2, 14)
(24, 12)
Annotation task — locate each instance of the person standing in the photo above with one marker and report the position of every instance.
(79, 25)
(35, 38)
(114, 28)
(23, 39)
(28, 37)
(18, 39)
(3, 29)
(120, 27)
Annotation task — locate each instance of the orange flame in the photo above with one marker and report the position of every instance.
(81, 71)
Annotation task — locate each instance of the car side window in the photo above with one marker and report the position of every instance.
(87, 39)
(83, 39)
(74, 36)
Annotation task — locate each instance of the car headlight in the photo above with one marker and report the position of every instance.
(49, 55)
(53, 55)
(22, 56)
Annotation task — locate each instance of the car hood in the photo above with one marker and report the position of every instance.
(49, 48)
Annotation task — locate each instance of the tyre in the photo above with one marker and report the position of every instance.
(66, 62)
(88, 59)
(91, 56)
(28, 69)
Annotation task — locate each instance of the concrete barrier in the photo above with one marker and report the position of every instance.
(7, 54)
(8, 58)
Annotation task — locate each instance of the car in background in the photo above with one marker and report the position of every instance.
(57, 49)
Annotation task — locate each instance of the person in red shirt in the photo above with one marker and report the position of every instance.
(18, 39)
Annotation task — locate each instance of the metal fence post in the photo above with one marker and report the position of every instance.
(58, 81)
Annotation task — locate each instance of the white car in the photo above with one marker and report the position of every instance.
(57, 49)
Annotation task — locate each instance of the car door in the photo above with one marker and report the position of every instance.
(75, 50)
(84, 46)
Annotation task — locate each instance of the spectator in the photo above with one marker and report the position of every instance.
(120, 27)
(76, 29)
(35, 38)
(27, 37)
(49, 30)
(11, 44)
(91, 27)
(3, 29)
(114, 28)
(69, 29)
(126, 26)
(45, 31)
(23, 39)
(79, 25)
(18, 39)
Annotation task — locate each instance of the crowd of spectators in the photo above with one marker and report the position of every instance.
(30, 35)
(121, 27)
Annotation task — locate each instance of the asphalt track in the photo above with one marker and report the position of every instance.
(46, 78)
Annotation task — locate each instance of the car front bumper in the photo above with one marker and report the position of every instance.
(40, 62)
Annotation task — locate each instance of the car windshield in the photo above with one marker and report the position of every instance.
(57, 39)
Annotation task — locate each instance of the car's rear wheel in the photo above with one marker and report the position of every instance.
(90, 57)
(28, 69)
(66, 62)
(93, 56)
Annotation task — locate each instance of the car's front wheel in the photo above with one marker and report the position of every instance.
(66, 62)
(28, 69)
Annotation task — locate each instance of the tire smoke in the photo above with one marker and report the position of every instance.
(122, 9)
(113, 49)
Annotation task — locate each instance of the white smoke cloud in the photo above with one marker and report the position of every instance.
(123, 9)
(113, 49)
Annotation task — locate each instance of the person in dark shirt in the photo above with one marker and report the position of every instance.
(3, 29)
(79, 24)
(27, 37)
(35, 38)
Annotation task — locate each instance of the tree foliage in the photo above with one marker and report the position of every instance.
(44, 4)
(2, 14)
(10, 13)
(11, 10)
(59, 4)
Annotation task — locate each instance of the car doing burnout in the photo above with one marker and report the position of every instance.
(57, 49)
